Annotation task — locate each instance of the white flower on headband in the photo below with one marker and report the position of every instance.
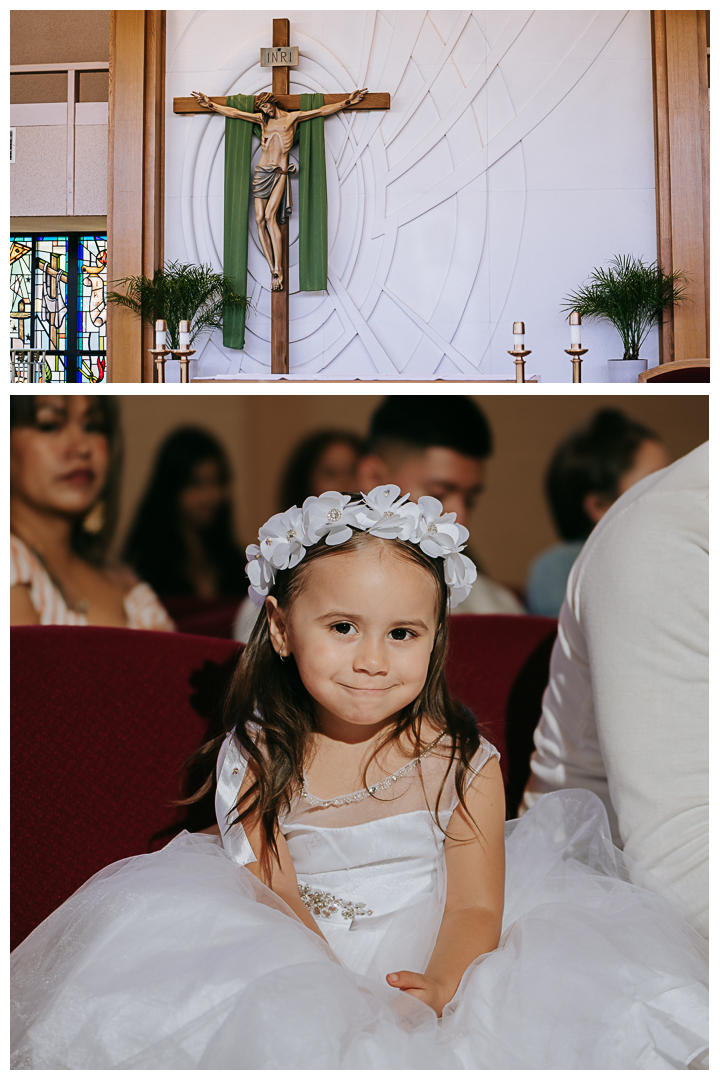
(328, 515)
(460, 573)
(284, 539)
(383, 514)
(438, 535)
(261, 574)
(384, 499)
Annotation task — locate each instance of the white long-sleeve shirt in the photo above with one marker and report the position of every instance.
(625, 713)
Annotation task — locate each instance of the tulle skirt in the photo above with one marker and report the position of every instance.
(183, 960)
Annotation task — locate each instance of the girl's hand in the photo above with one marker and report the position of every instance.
(433, 993)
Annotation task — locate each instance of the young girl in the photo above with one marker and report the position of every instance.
(349, 911)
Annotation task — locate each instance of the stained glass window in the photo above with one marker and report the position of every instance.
(20, 291)
(58, 294)
(91, 309)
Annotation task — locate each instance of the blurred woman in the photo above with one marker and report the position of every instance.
(588, 472)
(182, 539)
(65, 461)
(324, 461)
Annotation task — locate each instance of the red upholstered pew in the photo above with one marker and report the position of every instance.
(103, 719)
(211, 617)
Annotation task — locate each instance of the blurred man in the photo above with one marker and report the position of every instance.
(436, 446)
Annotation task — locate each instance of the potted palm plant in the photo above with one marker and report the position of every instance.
(180, 291)
(633, 297)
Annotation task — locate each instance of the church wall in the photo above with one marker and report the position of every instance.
(517, 155)
(91, 148)
(37, 179)
(59, 37)
(38, 110)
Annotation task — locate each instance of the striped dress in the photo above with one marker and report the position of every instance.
(142, 607)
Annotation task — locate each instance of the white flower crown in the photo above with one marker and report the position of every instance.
(284, 539)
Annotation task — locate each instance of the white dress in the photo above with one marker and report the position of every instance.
(182, 959)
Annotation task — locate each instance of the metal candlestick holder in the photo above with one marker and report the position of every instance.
(160, 356)
(183, 354)
(519, 355)
(576, 353)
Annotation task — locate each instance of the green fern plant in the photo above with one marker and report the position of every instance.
(631, 295)
(176, 292)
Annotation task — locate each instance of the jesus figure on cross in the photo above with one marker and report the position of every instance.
(270, 187)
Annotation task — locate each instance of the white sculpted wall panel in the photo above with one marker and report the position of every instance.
(517, 155)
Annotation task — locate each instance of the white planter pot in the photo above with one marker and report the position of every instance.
(626, 371)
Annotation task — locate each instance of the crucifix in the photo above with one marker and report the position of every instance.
(279, 114)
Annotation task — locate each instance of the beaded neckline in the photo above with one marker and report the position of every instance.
(364, 793)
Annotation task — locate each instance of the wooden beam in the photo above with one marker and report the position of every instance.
(663, 197)
(281, 40)
(153, 165)
(125, 125)
(682, 174)
(280, 302)
(188, 106)
(135, 154)
(703, 24)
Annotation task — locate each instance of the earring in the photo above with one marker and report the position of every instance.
(94, 520)
(283, 657)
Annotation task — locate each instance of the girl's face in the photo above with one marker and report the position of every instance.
(362, 632)
(60, 464)
(204, 494)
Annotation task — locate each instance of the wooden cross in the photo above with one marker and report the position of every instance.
(280, 348)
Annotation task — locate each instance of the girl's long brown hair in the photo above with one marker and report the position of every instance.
(269, 693)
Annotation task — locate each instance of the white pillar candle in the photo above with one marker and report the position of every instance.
(184, 334)
(160, 334)
(519, 335)
(575, 331)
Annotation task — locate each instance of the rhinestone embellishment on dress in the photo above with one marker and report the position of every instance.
(319, 902)
(356, 796)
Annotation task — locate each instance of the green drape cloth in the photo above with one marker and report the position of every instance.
(313, 199)
(238, 187)
(238, 184)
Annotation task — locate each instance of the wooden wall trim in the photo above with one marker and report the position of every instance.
(135, 179)
(704, 92)
(154, 164)
(682, 124)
